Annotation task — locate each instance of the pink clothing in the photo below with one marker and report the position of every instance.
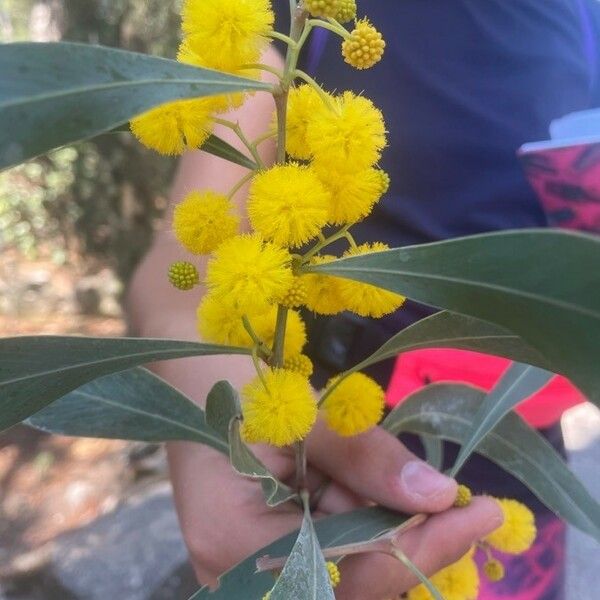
(415, 369)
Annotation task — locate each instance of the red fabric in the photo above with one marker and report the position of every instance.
(415, 369)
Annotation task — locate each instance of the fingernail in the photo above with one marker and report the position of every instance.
(422, 481)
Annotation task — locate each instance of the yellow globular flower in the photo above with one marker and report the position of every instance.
(364, 46)
(353, 194)
(288, 204)
(459, 581)
(384, 181)
(183, 275)
(322, 8)
(517, 533)
(323, 291)
(227, 33)
(172, 128)
(250, 270)
(349, 138)
(346, 11)
(295, 330)
(296, 295)
(334, 573)
(303, 102)
(203, 220)
(364, 299)
(299, 363)
(355, 405)
(463, 496)
(280, 411)
(494, 570)
(219, 321)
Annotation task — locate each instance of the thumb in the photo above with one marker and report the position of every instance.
(377, 466)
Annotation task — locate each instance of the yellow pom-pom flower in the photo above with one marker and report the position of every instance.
(517, 533)
(296, 295)
(353, 194)
(303, 102)
(183, 275)
(494, 570)
(203, 220)
(227, 33)
(463, 496)
(364, 46)
(459, 581)
(364, 299)
(323, 291)
(384, 181)
(280, 411)
(253, 272)
(322, 8)
(299, 363)
(334, 573)
(288, 204)
(349, 138)
(295, 330)
(175, 127)
(346, 11)
(219, 321)
(355, 405)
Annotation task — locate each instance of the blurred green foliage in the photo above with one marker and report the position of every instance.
(105, 196)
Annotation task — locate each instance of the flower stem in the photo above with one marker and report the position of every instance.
(262, 67)
(279, 340)
(240, 184)
(235, 127)
(322, 94)
(338, 235)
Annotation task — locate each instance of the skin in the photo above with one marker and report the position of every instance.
(223, 516)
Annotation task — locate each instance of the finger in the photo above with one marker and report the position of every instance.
(440, 541)
(375, 465)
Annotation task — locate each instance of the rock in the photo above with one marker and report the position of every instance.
(129, 554)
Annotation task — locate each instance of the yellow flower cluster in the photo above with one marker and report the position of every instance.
(256, 281)
(460, 581)
(224, 35)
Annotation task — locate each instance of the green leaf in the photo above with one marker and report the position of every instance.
(517, 384)
(244, 461)
(434, 451)
(132, 405)
(542, 285)
(36, 370)
(242, 582)
(57, 93)
(446, 329)
(304, 576)
(222, 407)
(445, 410)
(223, 414)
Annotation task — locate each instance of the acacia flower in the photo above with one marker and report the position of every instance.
(183, 275)
(517, 532)
(280, 411)
(322, 8)
(349, 138)
(346, 11)
(353, 194)
(355, 405)
(364, 46)
(203, 220)
(174, 127)
(303, 102)
(323, 291)
(365, 299)
(295, 330)
(459, 581)
(230, 32)
(288, 204)
(219, 321)
(252, 271)
(493, 569)
(300, 363)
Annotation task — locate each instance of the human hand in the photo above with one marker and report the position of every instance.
(225, 519)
